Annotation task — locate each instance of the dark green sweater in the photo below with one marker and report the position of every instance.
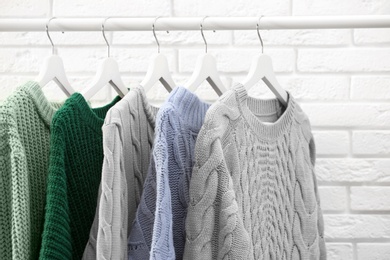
(75, 165)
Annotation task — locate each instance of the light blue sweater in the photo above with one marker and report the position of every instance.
(158, 231)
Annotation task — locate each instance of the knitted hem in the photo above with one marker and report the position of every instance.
(251, 107)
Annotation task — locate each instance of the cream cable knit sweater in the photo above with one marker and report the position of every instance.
(253, 191)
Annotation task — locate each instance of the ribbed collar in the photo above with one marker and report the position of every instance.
(94, 117)
(191, 109)
(45, 108)
(249, 107)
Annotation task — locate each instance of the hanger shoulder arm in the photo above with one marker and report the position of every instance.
(274, 86)
(158, 70)
(206, 69)
(108, 72)
(53, 69)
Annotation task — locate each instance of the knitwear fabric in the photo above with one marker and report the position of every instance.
(158, 231)
(128, 134)
(25, 118)
(75, 166)
(253, 191)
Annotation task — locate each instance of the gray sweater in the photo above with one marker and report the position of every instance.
(128, 134)
(253, 191)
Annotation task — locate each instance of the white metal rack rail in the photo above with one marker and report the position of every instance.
(192, 23)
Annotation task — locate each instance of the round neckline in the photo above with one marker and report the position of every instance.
(46, 109)
(92, 116)
(250, 106)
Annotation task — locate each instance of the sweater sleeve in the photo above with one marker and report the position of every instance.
(162, 246)
(56, 237)
(15, 210)
(112, 210)
(5, 188)
(320, 220)
(213, 228)
(140, 236)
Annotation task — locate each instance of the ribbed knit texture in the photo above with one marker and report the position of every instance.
(158, 231)
(128, 134)
(75, 166)
(253, 191)
(25, 119)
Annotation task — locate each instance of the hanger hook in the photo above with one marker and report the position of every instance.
(154, 34)
(48, 35)
(201, 31)
(104, 36)
(258, 33)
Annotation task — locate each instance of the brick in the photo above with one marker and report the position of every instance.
(59, 38)
(9, 84)
(110, 8)
(370, 88)
(316, 87)
(230, 60)
(371, 142)
(333, 198)
(373, 251)
(138, 60)
(231, 7)
(173, 38)
(87, 60)
(343, 60)
(84, 60)
(335, 7)
(371, 36)
(339, 251)
(370, 198)
(138, 37)
(24, 8)
(24, 38)
(344, 226)
(22, 59)
(304, 88)
(348, 115)
(293, 37)
(331, 142)
(353, 170)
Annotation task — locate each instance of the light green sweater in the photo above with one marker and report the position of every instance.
(25, 119)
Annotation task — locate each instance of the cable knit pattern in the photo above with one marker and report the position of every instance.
(75, 166)
(128, 133)
(253, 191)
(160, 222)
(25, 119)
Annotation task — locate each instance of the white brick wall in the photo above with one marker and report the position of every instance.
(340, 77)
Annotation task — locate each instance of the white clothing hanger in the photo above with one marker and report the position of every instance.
(206, 69)
(158, 69)
(53, 69)
(108, 72)
(261, 69)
